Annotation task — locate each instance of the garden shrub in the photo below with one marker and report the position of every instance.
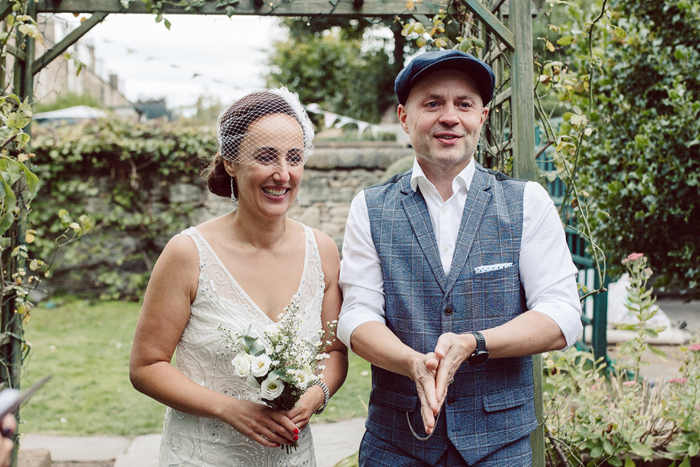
(121, 173)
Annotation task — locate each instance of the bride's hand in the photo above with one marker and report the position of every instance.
(260, 423)
(310, 402)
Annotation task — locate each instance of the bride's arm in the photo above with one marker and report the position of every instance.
(336, 365)
(164, 315)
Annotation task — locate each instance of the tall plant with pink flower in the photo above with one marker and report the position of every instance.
(597, 415)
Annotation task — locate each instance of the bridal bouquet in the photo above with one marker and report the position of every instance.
(280, 363)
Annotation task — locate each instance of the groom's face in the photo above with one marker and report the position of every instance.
(443, 117)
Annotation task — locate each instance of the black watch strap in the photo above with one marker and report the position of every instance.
(480, 354)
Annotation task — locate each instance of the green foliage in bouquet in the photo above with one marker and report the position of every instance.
(282, 364)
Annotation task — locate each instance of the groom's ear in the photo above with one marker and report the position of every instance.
(402, 113)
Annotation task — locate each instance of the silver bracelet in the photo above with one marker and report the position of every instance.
(326, 395)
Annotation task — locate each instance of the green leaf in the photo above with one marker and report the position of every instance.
(579, 120)
(641, 450)
(641, 141)
(615, 461)
(6, 222)
(167, 23)
(629, 462)
(32, 180)
(659, 353)
(620, 33)
(566, 40)
(685, 463)
(8, 196)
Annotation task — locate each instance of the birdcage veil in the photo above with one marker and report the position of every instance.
(233, 127)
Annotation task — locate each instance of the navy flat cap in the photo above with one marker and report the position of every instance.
(441, 60)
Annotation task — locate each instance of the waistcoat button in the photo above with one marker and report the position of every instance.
(448, 310)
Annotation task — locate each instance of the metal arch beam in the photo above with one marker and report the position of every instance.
(349, 8)
(492, 22)
(12, 50)
(5, 9)
(67, 41)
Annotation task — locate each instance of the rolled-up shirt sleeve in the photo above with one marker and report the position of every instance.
(360, 274)
(547, 272)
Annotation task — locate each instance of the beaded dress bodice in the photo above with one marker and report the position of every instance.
(203, 357)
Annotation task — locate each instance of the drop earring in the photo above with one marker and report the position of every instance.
(233, 193)
(298, 200)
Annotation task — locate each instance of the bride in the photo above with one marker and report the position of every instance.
(239, 271)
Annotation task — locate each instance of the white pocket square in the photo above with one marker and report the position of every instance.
(491, 267)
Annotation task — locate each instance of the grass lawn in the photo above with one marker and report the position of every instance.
(86, 348)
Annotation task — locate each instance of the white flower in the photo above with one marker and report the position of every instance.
(271, 388)
(252, 382)
(302, 379)
(241, 364)
(272, 331)
(260, 365)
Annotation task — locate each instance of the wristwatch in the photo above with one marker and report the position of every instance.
(480, 354)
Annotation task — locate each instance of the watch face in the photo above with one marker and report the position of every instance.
(478, 357)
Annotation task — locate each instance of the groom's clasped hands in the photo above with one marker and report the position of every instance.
(434, 371)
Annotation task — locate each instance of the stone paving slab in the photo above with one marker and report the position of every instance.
(142, 452)
(78, 448)
(333, 441)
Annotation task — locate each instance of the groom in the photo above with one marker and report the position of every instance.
(453, 275)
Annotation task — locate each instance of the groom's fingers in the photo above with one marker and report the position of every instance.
(451, 349)
(424, 377)
(426, 412)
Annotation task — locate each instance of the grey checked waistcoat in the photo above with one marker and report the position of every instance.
(487, 406)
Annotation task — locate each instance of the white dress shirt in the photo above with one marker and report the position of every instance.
(547, 272)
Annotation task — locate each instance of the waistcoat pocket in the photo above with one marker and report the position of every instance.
(507, 398)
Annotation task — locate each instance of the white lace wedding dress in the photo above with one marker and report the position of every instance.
(203, 357)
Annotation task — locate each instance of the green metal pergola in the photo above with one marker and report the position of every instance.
(504, 25)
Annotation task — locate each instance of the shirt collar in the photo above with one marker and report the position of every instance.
(462, 180)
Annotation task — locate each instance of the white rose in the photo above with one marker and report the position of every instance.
(271, 388)
(241, 364)
(260, 365)
(302, 379)
(252, 382)
(272, 331)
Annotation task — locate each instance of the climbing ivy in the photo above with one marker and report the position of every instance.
(119, 172)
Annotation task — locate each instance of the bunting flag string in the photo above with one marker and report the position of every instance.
(331, 119)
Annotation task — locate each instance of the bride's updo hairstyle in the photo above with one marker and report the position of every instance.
(232, 128)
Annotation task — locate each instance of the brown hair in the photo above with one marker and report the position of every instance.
(232, 125)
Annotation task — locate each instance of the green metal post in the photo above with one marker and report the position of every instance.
(523, 118)
(23, 87)
(599, 337)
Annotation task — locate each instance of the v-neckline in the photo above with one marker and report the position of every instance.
(242, 290)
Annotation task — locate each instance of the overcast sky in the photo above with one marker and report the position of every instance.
(199, 55)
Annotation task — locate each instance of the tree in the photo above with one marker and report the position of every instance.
(643, 167)
(336, 68)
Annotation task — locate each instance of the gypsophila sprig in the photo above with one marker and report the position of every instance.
(281, 363)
